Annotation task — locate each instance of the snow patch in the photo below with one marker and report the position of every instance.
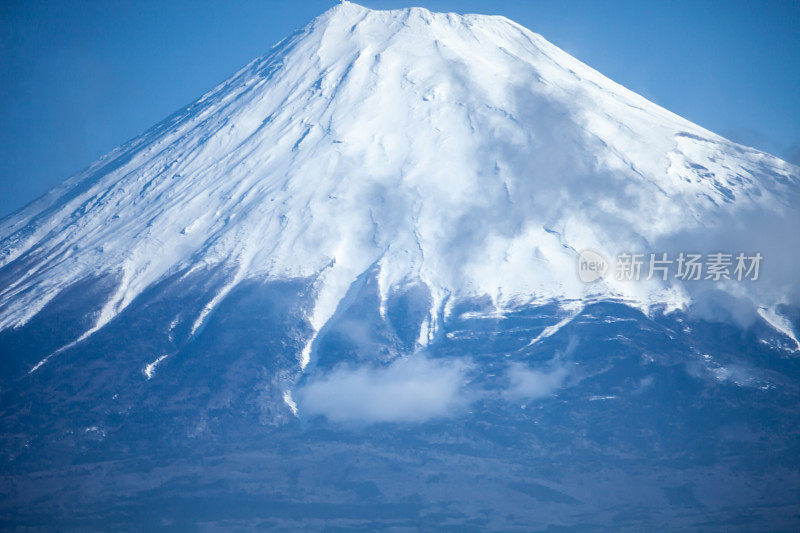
(150, 368)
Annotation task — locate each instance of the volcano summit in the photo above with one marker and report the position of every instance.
(341, 289)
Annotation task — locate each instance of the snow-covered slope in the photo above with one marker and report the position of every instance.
(463, 152)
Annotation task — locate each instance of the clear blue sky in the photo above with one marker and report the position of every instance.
(79, 78)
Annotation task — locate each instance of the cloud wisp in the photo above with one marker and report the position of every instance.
(410, 389)
(526, 383)
(529, 384)
(418, 388)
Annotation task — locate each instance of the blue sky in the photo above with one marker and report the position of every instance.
(79, 78)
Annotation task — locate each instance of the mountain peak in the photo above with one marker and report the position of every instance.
(344, 7)
(349, 13)
(372, 281)
(462, 153)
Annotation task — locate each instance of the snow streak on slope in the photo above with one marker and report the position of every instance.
(464, 152)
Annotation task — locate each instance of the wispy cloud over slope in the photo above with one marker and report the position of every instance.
(413, 389)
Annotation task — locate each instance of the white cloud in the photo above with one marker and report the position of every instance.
(417, 389)
(529, 384)
(413, 389)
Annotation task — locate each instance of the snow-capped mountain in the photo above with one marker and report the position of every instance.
(379, 223)
(463, 152)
